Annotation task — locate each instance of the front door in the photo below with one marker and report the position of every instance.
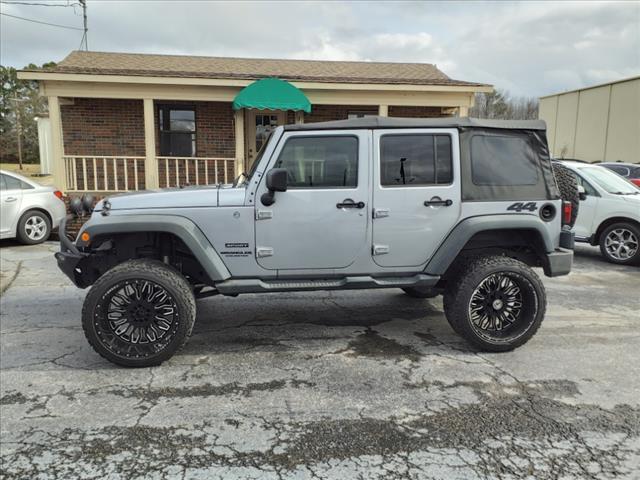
(416, 194)
(10, 201)
(587, 210)
(321, 221)
(259, 124)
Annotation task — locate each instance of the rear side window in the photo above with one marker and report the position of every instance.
(320, 162)
(414, 160)
(12, 183)
(635, 173)
(500, 160)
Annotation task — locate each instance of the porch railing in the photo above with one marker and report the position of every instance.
(182, 171)
(104, 173)
(93, 173)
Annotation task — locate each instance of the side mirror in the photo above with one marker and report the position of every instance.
(582, 193)
(276, 182)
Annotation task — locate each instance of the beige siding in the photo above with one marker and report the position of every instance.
(591, 130)
(595, 124)
(566, 125)
(623, 142)
(547, 111)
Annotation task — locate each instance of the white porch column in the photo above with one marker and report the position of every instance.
(463, 111)
(238, 118)
(58, 170)
(383, 110)
(299, 116)
(150, 161)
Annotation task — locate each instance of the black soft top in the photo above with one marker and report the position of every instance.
(443, 122)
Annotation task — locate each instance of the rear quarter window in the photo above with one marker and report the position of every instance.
(502, 161)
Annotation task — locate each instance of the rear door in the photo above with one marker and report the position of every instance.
(321, 221)
(416, 194)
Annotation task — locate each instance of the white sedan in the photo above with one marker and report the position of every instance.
(29, 211)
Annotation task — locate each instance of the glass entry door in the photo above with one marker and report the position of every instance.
(259, 124)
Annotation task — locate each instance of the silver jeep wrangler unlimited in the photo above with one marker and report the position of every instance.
(455, 206)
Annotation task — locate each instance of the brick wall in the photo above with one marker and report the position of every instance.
(415, 112)
(100, 126)
(324, 113)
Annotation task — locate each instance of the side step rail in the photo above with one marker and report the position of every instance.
(256, 285)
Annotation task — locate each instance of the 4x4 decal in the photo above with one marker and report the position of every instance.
(520, 206)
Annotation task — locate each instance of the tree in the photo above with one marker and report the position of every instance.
(500, 105)
(19, 99)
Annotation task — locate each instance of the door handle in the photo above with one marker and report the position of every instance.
(436, 201)
(349, 203)
(10, 199)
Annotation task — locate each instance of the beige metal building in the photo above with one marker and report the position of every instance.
(599, 123)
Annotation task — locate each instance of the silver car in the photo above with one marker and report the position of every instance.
(29, 211)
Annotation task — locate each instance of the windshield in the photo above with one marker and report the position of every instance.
(609, 181)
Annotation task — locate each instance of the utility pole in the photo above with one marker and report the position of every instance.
(18, 127)
(84, 18)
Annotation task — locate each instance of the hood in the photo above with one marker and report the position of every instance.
(166, 198)
(197, 196)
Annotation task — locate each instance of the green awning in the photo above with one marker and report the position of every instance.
(272, 94)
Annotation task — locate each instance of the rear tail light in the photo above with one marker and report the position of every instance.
(567, 210)
(636, 181)
(58, 194)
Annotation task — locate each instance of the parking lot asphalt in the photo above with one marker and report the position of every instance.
(362, 384)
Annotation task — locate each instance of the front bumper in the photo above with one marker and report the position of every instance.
(558, 263)
(69, 257)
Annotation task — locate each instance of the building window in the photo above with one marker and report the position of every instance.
(177, 130)
(414, 160)
(320, 162)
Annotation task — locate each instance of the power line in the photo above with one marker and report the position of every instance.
(41, 23)
(8, 2)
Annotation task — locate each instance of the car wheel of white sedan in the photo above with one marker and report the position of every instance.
(620, 243)
(34, 227)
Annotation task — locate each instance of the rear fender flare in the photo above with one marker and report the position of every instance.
(463, 231)
(181, 227)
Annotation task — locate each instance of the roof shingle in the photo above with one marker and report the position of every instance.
(107, 63)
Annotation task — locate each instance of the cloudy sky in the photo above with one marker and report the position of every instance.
(528, 48)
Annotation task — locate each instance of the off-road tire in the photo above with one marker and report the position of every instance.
(21, 232)
(629, 227)
(461, 288)
(96, 304)
(420, 292)
(568, 186)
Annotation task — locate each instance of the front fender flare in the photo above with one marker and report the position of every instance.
(179, 226)
(463, 231)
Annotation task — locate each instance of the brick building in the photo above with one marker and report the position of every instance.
(124, 122)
